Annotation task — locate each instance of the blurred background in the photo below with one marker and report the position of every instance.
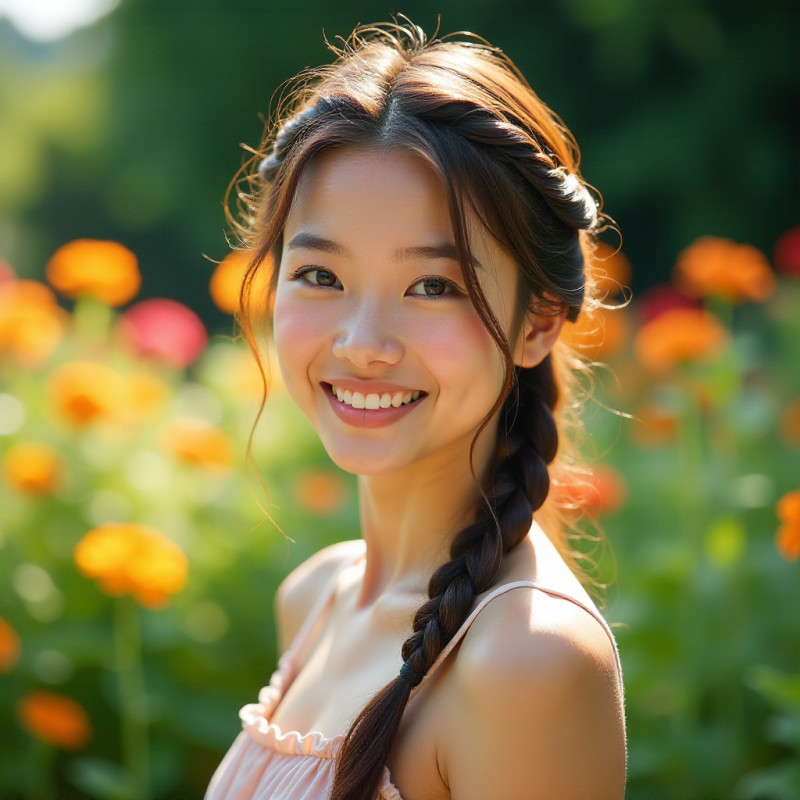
(136, 565)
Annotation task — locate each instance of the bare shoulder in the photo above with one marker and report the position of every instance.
(300, 589)
(537, 704)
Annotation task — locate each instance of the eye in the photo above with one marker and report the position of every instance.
(432, 286)
(318, 276)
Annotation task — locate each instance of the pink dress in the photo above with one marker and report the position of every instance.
(265, 763)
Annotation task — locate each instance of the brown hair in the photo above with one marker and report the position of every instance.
(467, 112)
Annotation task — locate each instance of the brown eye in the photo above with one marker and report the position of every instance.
(319, 276)
(431, 287)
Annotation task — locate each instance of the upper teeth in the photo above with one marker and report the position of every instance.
(374, 400)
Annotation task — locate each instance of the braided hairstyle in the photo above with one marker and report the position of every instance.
(504, 158)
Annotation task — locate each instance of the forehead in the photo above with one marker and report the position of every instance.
(367, 197)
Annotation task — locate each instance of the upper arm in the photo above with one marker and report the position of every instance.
(539, 710)
(300, 589)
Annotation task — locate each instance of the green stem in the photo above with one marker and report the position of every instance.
(133, 713)
(92, 319)
(40, 771)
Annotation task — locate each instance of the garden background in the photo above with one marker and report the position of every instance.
(137, 566)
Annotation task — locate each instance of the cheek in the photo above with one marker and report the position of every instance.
(297, 334)
(464, 351)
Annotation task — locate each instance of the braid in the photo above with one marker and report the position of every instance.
(520, 483)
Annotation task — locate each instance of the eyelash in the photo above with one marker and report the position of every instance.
(450, 287)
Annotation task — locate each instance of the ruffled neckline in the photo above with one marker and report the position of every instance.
(256, 721)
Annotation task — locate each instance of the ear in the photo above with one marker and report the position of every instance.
(537, 336)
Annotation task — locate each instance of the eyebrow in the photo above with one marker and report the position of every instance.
(310, 241)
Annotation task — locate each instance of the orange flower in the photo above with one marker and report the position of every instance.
(55, 719)
(10, 646)
(129, 558)
(198, 442)
(654, 426)
(32, 467)
(610, 268)
(718, 266)
(680, 334)
(31, 322)
(602, 491)
(84, 392)
(106, 270)
(790, 422)
(226, 281)
(787, 539)
(321, 492)
(597, 334)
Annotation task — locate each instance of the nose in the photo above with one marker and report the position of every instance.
(366, 337)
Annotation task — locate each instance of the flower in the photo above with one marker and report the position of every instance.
(165, 330)
(787, 539)
(320, 491)
(106, 270)
(226, 281)
(147, 393)
(55, 719)
(790, 423)
(196, 441)
(32, 324)
(6, 271)
(129, 558)
(10, 646)
(84, 392)
(677, 335)
(610, 268)
(787, 252)
(663, 297)
(654, 426)
(598, 333)
(602, 490)
(718, 266)
(32, 467)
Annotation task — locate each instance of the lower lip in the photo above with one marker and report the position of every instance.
(368, 417)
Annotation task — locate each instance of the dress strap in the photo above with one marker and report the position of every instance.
(507, 587)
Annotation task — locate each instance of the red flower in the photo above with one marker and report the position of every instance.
(165, 330)
(663, 297)
(787, 252)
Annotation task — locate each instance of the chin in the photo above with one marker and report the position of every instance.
(358, 462)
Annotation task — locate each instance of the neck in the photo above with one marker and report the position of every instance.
(409, 519)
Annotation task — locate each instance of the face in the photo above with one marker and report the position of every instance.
(376, 337)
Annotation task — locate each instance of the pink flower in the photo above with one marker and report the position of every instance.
(165, 330)
(6, 271)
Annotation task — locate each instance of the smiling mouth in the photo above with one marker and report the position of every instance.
(374, 401)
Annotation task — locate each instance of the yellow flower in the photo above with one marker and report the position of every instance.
(55, 719)
(679, 334)
(31, 322)
(84, 392)
(10, 646)
(147, 393)
(129, 558)
(226, 280)
(196, 441)
(106, 270)
(32, 467)
(717, 266)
